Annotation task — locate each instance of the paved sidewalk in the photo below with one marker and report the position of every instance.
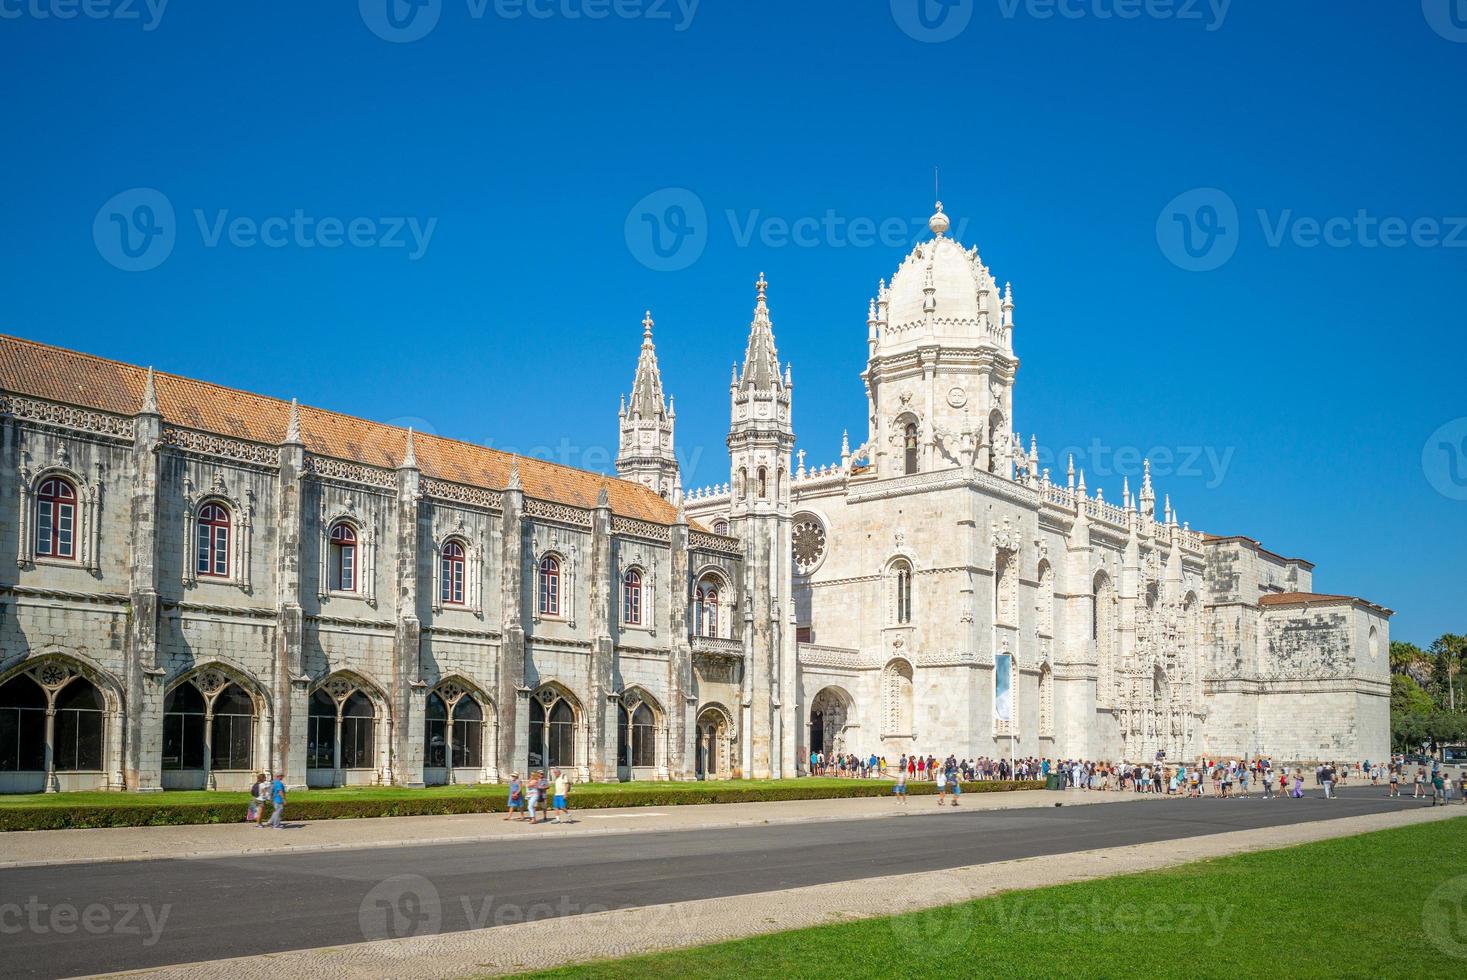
(42, 847)
(554, 942)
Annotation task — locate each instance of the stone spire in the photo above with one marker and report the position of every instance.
(514, 475)
(293, 425)
(645, 452)
(646, 401)
(410, 454)
(761, 360)
(1148, 495)
(150, 397)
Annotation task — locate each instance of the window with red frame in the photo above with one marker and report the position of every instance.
(632, 597)
(452, 586)
(549, 586)
(56, 519)
(343, 570)
(213, 541)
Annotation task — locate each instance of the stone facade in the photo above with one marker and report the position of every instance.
(949, 596)
(208, 583)
(426, 653)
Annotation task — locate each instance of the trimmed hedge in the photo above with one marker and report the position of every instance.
(231, 806)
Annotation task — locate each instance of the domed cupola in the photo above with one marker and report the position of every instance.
(941, 294)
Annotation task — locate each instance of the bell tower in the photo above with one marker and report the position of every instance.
(761, 437)
(645, 446)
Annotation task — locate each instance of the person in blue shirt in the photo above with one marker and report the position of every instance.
(277, 800)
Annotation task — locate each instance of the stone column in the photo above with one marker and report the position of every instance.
(513, 698)
(408, 700)
(288, 689)
(683, 699)
(604, 697)
(142, 744)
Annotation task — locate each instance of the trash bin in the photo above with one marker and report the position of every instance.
(1052, 781)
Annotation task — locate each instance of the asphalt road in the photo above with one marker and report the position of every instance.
(76, 919)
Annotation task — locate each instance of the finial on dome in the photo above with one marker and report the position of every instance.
(647, 326)
(938, 222)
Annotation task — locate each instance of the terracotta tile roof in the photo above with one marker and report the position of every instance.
(70, 377)
(1315, 598)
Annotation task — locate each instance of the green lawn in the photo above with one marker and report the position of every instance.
(174, 797)
(1392, 903)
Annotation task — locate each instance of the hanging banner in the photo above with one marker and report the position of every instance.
(1003, 691)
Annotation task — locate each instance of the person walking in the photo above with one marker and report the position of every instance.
(1438, 791)
(941, 787)
(900, 789)
(1395, 780)
(259, 796)
(1267, 784)
(277, 801)
(1327, 780)
(516, 796)
(562, 790)
(532, 795)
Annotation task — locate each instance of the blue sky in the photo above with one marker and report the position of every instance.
(457, 230)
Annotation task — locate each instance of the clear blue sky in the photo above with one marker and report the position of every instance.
(1317, 375)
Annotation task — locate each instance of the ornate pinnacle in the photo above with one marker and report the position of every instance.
(410, 454)
(603, 499)
(514, 475)
(150, 397)
(647, 327)
(761, 286)
(293, 427)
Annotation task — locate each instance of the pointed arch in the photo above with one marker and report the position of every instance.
(557, 727)
(1046, 701)
(641, 724)
(831, 710)
(459, 722)
(713, 739)
(897, 715)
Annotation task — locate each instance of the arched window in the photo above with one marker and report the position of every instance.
(631, 585)
(763, 483)
(77, 743)
(468, 732)
(549, 586)
(1005, 587)
(453, 729)
(901, 592)
(452, 573)
(56, 519)
(636, 739)
(213, 541)
(720, 526)
(22, 726)
(705, 609)
(321, 732)
(184, 712)
(232, 744)
(342, 571)
(552, 730)
(435, 735)
(909, 446)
